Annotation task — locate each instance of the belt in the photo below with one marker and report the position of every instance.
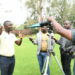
(7, 56)
(43, 51)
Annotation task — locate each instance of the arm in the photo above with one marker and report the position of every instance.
(33, 41)
(18, 42)
(60, 30)
(56, 40)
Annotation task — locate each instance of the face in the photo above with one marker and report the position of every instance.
(8, 26)
(67, 25)
(44, 29)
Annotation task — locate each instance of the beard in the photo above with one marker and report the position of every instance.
(9, 29)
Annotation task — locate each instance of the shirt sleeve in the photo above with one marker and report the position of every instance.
(73, 36)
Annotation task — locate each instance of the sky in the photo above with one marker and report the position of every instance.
(13, 10)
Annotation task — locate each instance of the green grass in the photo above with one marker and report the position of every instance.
(26, 59)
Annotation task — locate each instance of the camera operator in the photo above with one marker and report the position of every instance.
(69, 34)
(65, 52)
(43, 43)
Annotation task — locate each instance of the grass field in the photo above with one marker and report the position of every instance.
(26, 59)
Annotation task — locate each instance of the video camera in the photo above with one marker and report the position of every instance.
(48, 24)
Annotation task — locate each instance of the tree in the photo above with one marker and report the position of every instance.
(35, 8)
(62, 9)
(72, 14)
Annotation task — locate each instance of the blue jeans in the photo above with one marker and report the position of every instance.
(7, 65)
(41, 59)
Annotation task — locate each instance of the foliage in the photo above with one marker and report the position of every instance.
(61, 9)
(35, 8)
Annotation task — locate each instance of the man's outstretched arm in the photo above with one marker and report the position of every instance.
(60, 30)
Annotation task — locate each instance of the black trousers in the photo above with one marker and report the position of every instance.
(7, 65)
(65, 61)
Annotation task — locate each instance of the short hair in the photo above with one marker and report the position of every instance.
(5, 22)
(68, 22)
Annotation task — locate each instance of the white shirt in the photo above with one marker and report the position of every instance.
(7, 44)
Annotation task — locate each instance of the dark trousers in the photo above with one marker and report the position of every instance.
(7, 65)
(66, 60)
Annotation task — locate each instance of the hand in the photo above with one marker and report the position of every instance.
(20, 35)
(53, 38)
(51, 19)
(31, 39)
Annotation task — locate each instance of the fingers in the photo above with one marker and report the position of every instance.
(20, 35)
(51, 18)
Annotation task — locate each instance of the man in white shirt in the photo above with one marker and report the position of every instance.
(7, 40)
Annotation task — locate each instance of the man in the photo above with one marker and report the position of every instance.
(65, 53)
(7, 57)
(69, 34)
(43, 43)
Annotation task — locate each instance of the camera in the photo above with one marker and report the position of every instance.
(48, 24)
